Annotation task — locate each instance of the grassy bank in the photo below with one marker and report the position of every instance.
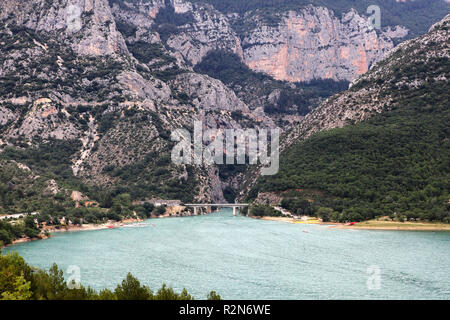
(401, 226)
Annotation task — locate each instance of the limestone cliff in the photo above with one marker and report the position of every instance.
(309, 43)
(65, 19)
(315, 44)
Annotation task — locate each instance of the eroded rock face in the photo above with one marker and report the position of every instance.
(141, 89)
(310, 43)
(315, 44)
(373, 92)
(87, 24)
(209, 93)
(6, 116)
(84, 85)
(211, 31)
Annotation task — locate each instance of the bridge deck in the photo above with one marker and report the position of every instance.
(230, 205)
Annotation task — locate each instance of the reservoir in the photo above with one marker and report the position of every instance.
(245, 258)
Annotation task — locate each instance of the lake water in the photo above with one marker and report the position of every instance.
(244, 258)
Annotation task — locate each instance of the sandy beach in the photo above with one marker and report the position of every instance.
(91, 226)
(281, 219)
(71, 228)
(397, 226)
(372, 224)
(292, 220)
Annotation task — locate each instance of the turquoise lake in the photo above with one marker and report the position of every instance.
(244, 258)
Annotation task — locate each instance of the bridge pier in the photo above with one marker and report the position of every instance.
(234, 211)
(195, 211)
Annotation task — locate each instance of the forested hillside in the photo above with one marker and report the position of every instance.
(395, 163)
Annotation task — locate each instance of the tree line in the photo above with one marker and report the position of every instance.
(20, 281)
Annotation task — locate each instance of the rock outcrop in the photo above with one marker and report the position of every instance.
(306, 44)
(88, 25)
(315, 44)
(210, 31)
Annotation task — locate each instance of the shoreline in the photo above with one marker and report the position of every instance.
(91, 226)
(397, 226)
(84, 227)
(294, 221)
(370, 225)
(88, 227)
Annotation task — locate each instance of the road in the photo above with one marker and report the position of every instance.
(17, 215)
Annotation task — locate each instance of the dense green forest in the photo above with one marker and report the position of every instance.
(25, 191)
(396, 164)
(417, 16)
(59, 213)
(20, 281)
(262, 211)
(296, 98)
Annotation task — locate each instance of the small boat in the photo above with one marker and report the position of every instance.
(110, 227)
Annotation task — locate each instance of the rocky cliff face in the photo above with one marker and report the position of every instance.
(209, 31)
(65, 19)
(310, 43)
(315, 44)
